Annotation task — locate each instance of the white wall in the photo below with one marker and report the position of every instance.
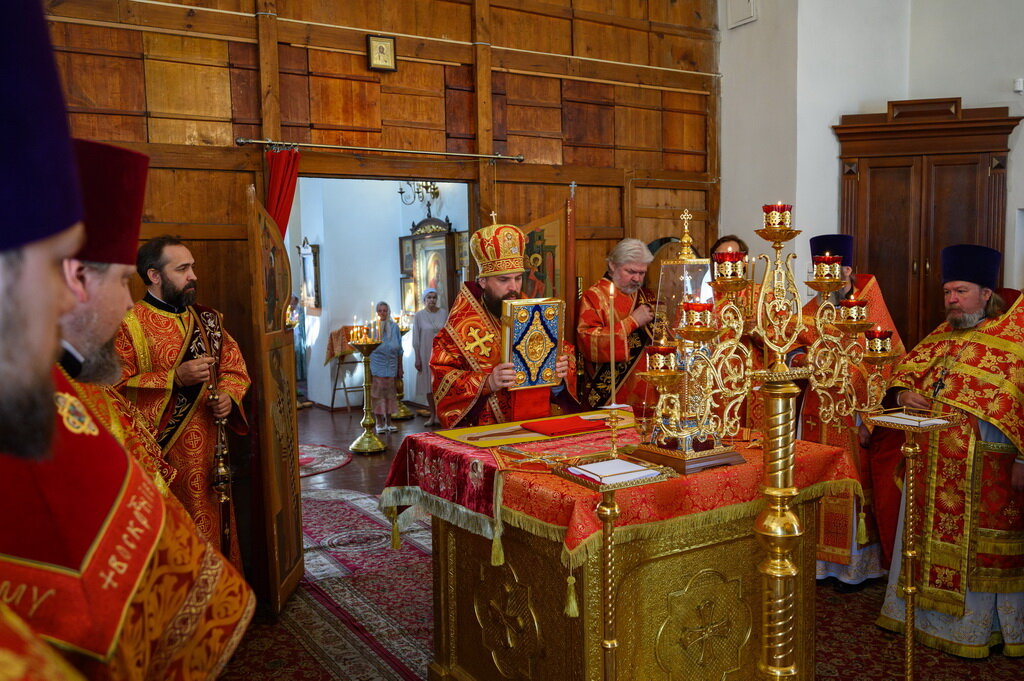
(758, 136)
(786, 79)
(974, 50)
(357, 224)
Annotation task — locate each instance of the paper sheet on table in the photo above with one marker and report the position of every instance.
(613, 471)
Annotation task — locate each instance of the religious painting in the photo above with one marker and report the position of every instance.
(405, 255)
(545, 267)
(433, 268)
(380, 53)
(411, 301)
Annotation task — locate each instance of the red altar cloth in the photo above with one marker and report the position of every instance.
(456, 481)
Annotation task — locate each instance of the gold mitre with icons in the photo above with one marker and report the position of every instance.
(498, 249)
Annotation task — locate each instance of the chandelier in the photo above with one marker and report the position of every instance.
(419, 191)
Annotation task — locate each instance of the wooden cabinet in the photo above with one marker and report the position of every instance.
(922, 176)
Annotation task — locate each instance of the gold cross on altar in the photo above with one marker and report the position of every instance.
(494, 217)
(478, 341)
(707, 627)
(686, 216)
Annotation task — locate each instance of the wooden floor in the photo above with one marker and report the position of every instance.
(366, 473)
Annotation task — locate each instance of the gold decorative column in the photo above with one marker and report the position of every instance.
(367, 442)
(910, 450)
(779, 531)
(608, 511)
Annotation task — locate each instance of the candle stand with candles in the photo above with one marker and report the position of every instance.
(367, 442)
(703, 385)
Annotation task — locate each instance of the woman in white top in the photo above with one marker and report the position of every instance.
(425, 326)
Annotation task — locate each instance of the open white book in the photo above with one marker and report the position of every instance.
(613, 471)
(904, 419)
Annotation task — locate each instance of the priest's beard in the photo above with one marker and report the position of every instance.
(178, 297)
(493, 305)
(27, 409)
(101, 366)
(964, 320)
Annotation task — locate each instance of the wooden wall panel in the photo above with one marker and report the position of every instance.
(692, 14)
(598, 207)
(527, 31)
(398, 137)
(533, 90)
(178, 131)
(637, 128)
(108, 127)
(110, 84)
(590, 259)
(681, 52)
(605, 41)
(633, 9)
(344, 104)
(447, 19)
(588, 157)
(196, 196)
(356, 14)
(460, 113)
(539, 150)
(413, 111)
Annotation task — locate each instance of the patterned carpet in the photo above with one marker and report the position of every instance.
(316, 459)
(363, 613)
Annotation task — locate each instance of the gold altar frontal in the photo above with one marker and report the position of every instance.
(688, 605)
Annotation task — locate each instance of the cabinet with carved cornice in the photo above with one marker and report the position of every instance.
(922, 176)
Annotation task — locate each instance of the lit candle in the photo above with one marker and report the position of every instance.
(879, 340)
(611, 338)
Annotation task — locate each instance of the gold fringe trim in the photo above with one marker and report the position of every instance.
(471, 521)
(396, 537)
(572, 606)
(591, 546)
(862, 529)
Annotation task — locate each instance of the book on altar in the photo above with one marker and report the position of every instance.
(531, 339)
(905, 419)
(613, 471)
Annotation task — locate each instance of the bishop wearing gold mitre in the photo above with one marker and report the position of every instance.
(469, 379)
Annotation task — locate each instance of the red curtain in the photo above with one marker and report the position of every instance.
(283, 173)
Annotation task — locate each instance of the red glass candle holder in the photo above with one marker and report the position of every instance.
(777, 215)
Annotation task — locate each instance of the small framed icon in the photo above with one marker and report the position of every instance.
(380, 53)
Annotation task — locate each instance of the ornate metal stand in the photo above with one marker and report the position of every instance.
(367, 442)
(403, 413)
(927, 422)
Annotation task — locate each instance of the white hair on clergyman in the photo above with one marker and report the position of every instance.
(630, 250)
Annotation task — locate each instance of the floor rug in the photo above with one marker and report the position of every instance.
(364, 613)
(316, 459)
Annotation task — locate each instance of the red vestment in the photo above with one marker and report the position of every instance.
(971, 520)
(26, 657)
(152, 343)
(838, 513)
(466, 350)
(593, 337)
(106, 567)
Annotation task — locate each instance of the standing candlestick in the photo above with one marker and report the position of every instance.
(611, 339)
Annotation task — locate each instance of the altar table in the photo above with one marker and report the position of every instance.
(688, 592)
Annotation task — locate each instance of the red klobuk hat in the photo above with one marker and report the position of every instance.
(113, 181)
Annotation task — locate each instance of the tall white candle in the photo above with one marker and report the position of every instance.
(611, 339)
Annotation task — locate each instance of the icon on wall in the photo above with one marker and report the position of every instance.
(380, 53)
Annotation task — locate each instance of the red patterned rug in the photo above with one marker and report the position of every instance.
(316, 459)
(363, 613)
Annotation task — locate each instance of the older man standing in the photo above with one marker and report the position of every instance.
(470, 380)
(970, 587)
(621, 286)
(184, 371)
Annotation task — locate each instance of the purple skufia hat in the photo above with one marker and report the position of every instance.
(38, 182)
(834, 244)
(969, 262)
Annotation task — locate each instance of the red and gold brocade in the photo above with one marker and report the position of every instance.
(465, 352)
(26, 657)
(113, 571)
(151, 344)
(838, 521)
(971, 520)
(443, 469)
(594, 340)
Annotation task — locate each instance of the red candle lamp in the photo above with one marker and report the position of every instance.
(777, 215)
(827, 266)
(853, 310)
(879, 340)
(729, 264)
(697, 314)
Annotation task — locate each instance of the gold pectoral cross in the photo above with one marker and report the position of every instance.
(479, 341)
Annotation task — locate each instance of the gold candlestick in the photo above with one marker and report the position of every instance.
(402, 413)
(367, 442)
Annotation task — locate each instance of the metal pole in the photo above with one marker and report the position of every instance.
(242, 141)
(608, 511)
(910, 451)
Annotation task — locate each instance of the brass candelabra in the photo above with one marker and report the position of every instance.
(704, 372)
(367, 442)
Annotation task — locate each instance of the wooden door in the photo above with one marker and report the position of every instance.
(277, 500)
(887, 237)
(953, 212)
